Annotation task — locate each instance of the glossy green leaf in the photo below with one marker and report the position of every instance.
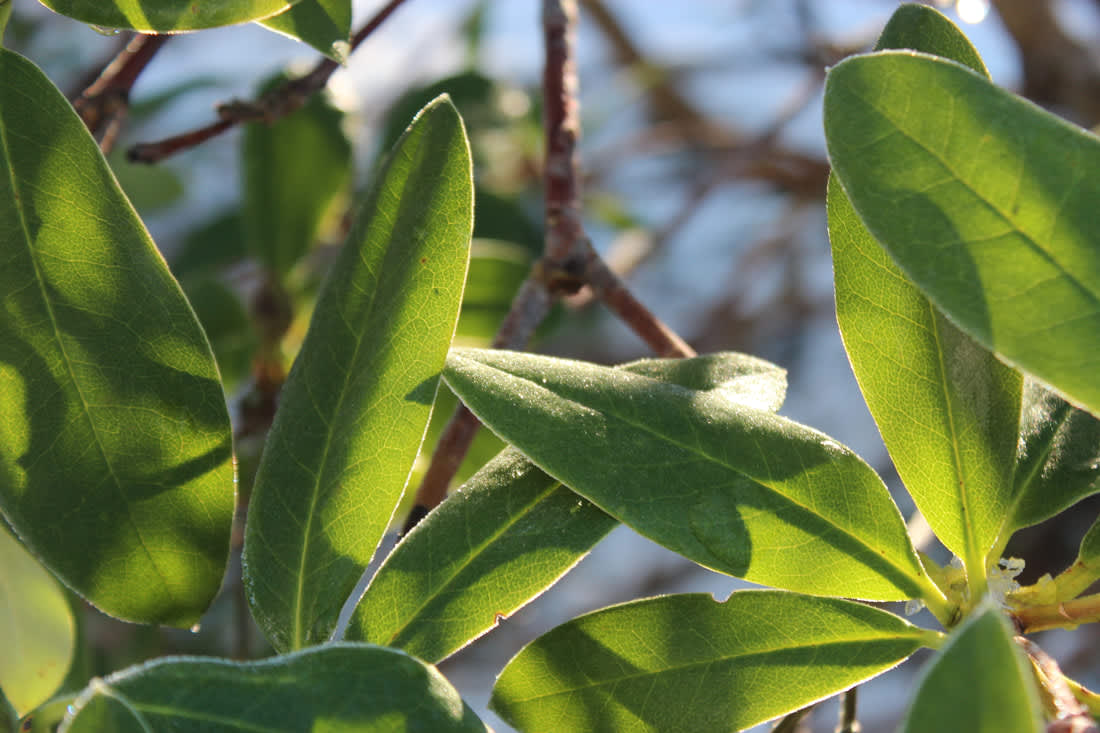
(721, 481)
(1059, 457)
(979, 683)
(37, 632)
(153, 16)
(355, 406)
(115, 443)
(292, 171)
(986, 201)
(323, 24)
(508, 534)
(946, 407)
(338, 687)
(689, 663)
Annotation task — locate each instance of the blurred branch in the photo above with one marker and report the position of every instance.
(1059, 71)
(279, 102)
(1070, 716)
(569, 261)
(103, 105)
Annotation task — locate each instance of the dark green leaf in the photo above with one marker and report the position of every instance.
(508, 534)
(213, 245)
(323, 24)
(37, 632)
(946, 407)
(166, 15)
(355, 406)
(292, 171)
(688, 663)
(497, 269)
(227, 325)
(1059, 457)
(115, 442)
(1089, 553)
(986, 202)
(704, 473)
(338, 687)
(979, 683)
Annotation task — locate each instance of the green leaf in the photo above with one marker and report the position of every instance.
(979, 683)
(227, 325)
(355, 406)
(688, 663)
(704, 473)
(497, 269)
(37, 631)
(212, 246)
(1059, 457)
(149, 187)
(508, 534)
(986, 201)
(5, 15)
(152, 16)
(946, 407)
(323, 24)
(1089, 554)
(338, 687)
(115, 445)
(293, 170)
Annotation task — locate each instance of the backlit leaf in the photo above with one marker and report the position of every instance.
(115, 443)
(689, 663)
(323, 24)
(356, 404)
(986, 201)
(704, 473)
(338, 687)
(166, 15)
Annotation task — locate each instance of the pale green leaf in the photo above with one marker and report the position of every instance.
(688, 663)
(717, 479)
(1059, 457)
(979, 683)
(151, 16)
(508, 534)
(986, 201)
(37, 631)
(293, 169)
(335, 688)
(497, 269)
(115, 443)
(946, 407)
(323, 24)
(356, 404)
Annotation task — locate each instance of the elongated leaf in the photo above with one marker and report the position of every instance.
(9, 720)
(338, 687)
(323, 24)
(946, 407)
(512, 531)
(686, 662)
(357, 401)
(726, 484)
(166, 15)
(979, 683)
(986, 201)
(497, 269)
(1089, 554)
(293, 169)
(37, 632)
(1059, 457)
(507, 535)
(115, 442)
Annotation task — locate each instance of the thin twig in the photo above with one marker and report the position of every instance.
(104, 103)
(792, 722)
(848, 722)
(279, 102)
(1070, 715)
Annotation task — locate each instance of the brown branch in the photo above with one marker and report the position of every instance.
(1070, 716)
(279, 102)
(103, 105)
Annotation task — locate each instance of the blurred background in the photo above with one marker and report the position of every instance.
(704, 172)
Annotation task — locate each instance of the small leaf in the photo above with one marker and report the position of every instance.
(688, 663)
(356, 404)
(985, 201)
(323, 24)
(1059, 457)
(37, 631)
(704, 473)
(497, 269)
(1089, 554)
(293, 169)
(338, 687)
(152, 16)
(979, 683)
(508, 534)
(115, 443)
(946, 407)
